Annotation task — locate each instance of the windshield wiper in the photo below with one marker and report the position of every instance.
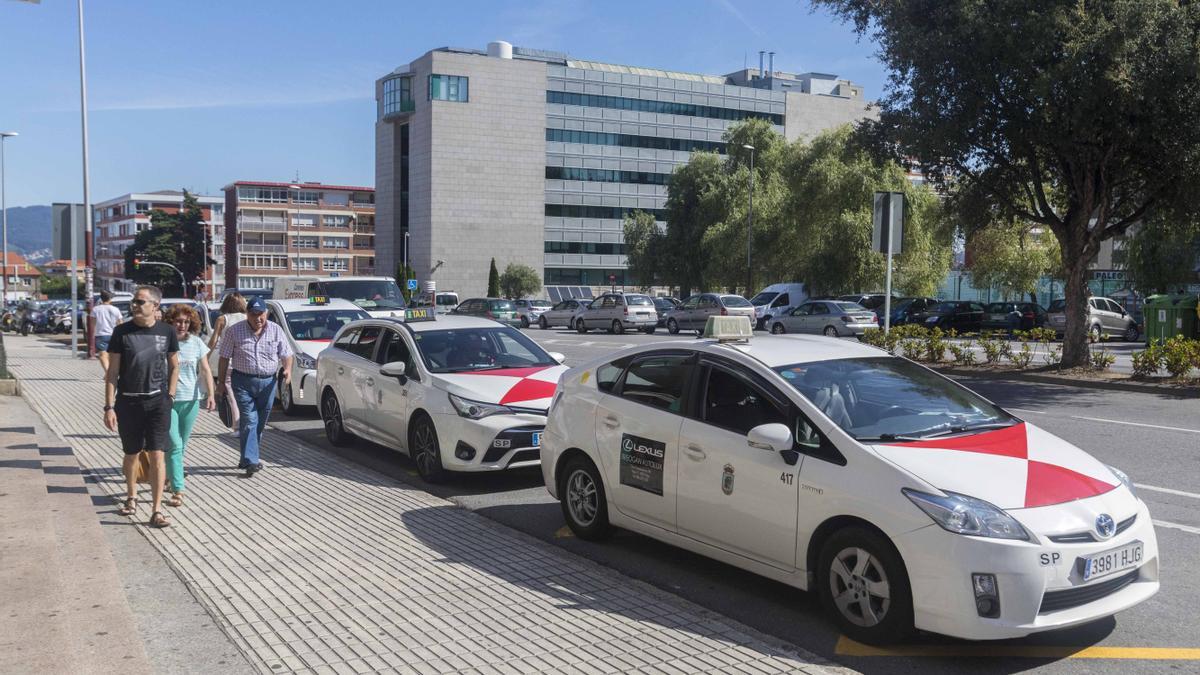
(962, 429)
(888, 438)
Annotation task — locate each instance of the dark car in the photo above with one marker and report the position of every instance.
(497, 309)
(872, 301)
(959, 315)
(662, 306)
(1015, 315)
(903, 309)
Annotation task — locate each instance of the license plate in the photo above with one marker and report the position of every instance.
(537, 439)
(1111, 562)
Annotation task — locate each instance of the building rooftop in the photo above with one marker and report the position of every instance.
(303, 185)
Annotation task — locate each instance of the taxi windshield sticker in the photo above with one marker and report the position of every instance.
(642, 463)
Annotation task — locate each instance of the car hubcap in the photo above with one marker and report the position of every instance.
(426, 459)
(777, 329)
(333, 418)
(582, 498)
(860, 587)
(831, 332)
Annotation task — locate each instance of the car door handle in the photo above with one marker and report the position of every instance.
(370, 382)
(341, 371)
(695, 452)
(611, 422)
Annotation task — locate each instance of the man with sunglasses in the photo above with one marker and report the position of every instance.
(139, 388)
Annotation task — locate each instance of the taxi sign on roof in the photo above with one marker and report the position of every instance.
(728, 328)
(318, 300)
(419, 314)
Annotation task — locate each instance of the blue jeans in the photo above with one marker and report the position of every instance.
(254, 396)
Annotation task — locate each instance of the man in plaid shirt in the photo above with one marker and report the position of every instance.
(258, 351)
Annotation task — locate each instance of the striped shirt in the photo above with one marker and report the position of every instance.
(254, 354)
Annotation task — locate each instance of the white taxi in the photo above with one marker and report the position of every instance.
(310, 325)
(457, 393)
(899, 496)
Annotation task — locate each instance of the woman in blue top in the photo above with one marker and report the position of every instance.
(193, 370)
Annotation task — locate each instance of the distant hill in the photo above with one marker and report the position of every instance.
(29, 228)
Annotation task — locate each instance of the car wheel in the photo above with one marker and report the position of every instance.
(1095, 334)
(542, 323)
(584, 504)
(831, 331)
(580, 326)
(863, 583)
(778, 329)
(287, 402)
(331, 416)
(1131, 333)
(617, 328)
(672, 327)
(524, 322)
(425, 451)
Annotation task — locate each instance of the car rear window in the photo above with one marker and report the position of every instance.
(944, 308)
(1057, 306)
(735, 301)
(500, 305)
(639, 300)
(850, 306)
(997, 307)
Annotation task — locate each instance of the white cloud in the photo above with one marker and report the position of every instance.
(737, 13)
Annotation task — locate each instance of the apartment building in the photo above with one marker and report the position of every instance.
(535, 157)
(280, 229)
(118, 221)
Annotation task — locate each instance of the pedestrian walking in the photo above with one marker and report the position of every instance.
(105, 318)
(257, 351)
(195, 389)
(143, 371)
(233, 310)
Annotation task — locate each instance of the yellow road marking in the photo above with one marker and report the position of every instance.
(563, 532)
(847, 647)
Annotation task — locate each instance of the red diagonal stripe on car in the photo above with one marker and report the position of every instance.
(1008, 442)
(529, 390)
(507, 372)
(1048, 484)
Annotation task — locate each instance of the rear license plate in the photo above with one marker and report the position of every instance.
(1111, 562)
(537, 439)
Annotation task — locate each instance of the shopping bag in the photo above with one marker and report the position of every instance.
(141, 468)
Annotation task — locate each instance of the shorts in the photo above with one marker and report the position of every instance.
(102, 342)
(144, 423)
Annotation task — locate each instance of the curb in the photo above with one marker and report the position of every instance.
(10, 387)
(1176, 391)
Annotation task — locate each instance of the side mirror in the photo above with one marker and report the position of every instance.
(557, 356)
(394, 369)
(773, 437)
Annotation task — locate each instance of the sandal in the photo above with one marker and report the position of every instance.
(176, 500)
(157, 519)
(129, 507)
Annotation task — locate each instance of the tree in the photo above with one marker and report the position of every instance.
(1162, 253)
(173, 238)
(493, 289)
(1076, 116)
(694, 205)
(56, 287)
(644, 248)
(1010, 257)
(403, 274)
(519, 281)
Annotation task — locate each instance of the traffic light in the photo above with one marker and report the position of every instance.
(137, 263)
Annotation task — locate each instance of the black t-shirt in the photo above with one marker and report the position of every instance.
(144, 356)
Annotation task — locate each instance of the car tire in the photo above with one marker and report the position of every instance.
(831, 331)
(583, 499)
(524, 322)
(542, 323)
(580, 326)
(1131, 333)
(287, 401)
(425, 450)
(672, 327)
(331, 417)
(845, 582)
(617, 328)
(778, 328)
(1095, 333)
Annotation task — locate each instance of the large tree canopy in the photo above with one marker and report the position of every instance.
(1077, 115)
(173, 238)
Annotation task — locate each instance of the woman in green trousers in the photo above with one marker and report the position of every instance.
(189, 395)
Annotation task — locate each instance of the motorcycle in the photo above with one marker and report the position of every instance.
(34, 320)
(61, 319)
(8, 319)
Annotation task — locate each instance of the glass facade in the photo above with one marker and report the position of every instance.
(611, 212)
(667, 107)
(607, 175)
(631, 141)
(448, 88)
(595, 248)
(585, 276)
(397, 96)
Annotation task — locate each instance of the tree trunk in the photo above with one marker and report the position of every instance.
(1075, 338)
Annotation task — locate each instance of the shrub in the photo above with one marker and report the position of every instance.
(1148, 362)
(1052, 355)
(935, 346)
(994, 349)
(912, 348)
(1180, 355)
(1022, 357)
(1102, 359)
(963, 353)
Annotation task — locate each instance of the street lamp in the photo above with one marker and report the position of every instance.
(4, 209)
(296, 222)
(750, 224)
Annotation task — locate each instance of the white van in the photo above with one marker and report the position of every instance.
(378, 296)
(776, 300)
(443, 302)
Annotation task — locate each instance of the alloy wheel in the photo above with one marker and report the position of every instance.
(778, 329)
(582, 499)
(860, 587)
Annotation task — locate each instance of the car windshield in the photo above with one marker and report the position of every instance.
(872, 301)
(321, 325)
(638, 301)
(501, 306)
(539, 303)
(735, 301)
(366, 293)
(1057, 305)
(447, 300)
(453, 351)
(883, 398)
(944, 308)
(763, 298)
(850, 306)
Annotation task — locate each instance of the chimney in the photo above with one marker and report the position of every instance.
(771, 65)
(760, 64)
(499, 49)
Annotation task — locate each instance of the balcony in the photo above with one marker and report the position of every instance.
(262, 248)
(263, 225)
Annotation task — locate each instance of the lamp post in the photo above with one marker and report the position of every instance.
(296, 222)
(750, 225)
(4, 209)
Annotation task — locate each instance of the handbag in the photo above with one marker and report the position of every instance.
(141, 468)
(225, 410)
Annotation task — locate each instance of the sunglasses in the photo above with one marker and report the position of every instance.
(138, 302)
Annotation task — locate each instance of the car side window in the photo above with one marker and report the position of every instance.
(364, 346)
(346, 339)
(690, 303)
(608, 374)
(781, 301)
(975, 307)
(819, 308)
(802, 310)
(706, 302)
(732, 403)
(1114, 307)
(657, 381)
(393, 349)
(313, 289)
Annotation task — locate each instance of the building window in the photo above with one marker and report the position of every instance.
(304, 220)
(304, 242)
(631, 141)
(271, 195)
(306, 263)
(666, 107)
(575, 276)
(336, 242)
(607, 175)
(594, 248)
(143, 207)
(397, 96)
(610, 212)
(335, 264)
(306, 197)
(448, 88)
(336, 221)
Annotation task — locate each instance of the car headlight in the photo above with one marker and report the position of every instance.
(306, 362)
(477, 409)
(966, 515)
(1124, 478)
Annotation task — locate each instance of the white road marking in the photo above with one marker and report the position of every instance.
(1169, 491)
(1025, 410)
(1176, 526)
(1135, 424)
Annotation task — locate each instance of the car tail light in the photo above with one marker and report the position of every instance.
(847, 319)
(724, 312)
(626, 310)
(1028, 315)
(874, 318)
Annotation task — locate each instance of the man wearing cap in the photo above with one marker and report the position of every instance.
(258, 351)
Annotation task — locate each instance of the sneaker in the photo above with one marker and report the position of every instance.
(253, 469)
(243, 464)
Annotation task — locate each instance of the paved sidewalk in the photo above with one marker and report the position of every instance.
(320, 565)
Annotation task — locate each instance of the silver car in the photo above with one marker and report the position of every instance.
(528, 311)
(1105, 318)
(693, 313)
(832, 318)
(616, 312)
(563, 313)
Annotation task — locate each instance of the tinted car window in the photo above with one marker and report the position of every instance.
(657, 381)
(638, 301)
(1057, 305)
(394, 349)
(763, 298)
(819, 308)
(781, 301)
(997, 308)
(735, 301)
(500, 305)
(850, 307)
(608, 374)
(944, 308)
(364, 346)
(321, 325)
(346, 339)
(706, 302)
(732, 403)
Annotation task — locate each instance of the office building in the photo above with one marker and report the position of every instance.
(535, 157)
(310, 229)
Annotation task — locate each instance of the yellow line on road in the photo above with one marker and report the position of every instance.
(847, 647)
(563, 532)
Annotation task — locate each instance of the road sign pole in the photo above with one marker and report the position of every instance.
(887, 291)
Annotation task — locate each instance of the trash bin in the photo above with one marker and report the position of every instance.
(1169, 315)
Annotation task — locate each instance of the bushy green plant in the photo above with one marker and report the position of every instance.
(1148, 362)
(912, 348)
(935, 346)
(995, 349)
(1102, 359)
(1022, 357)
(1180, 355)
(964, 353)
(1052, 355)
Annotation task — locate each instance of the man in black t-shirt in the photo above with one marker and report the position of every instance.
(139, 388)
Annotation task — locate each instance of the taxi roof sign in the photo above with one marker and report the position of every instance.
(318, 300)
(728, 328)
(420, 314)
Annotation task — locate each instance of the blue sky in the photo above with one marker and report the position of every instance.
(199, 94)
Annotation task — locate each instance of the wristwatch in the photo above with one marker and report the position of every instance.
(107, 407)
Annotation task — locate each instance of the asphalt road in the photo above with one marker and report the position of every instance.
(1154, 438)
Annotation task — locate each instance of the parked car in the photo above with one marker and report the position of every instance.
(872, 301)
(832, 318)
(443, 302)
(1018, 315)
(1105, 318)
(496, 309)
(617, 312)
(777, 300)
(960, 315)
(562, 314)
(528, 311)
(663, 305)
(693, 313)
(904, 308)
(309, 325)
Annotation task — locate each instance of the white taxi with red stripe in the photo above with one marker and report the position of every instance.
(899, 496)
(455, 393)
(310, 324)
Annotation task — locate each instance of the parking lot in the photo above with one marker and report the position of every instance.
(1154, 438)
